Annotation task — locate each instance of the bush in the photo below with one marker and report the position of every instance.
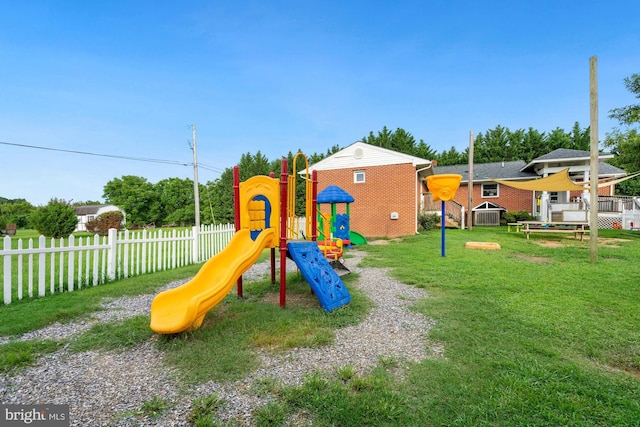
(104, 222)
(428, 222)
(57, 219)
(15, 212)
(513, 216)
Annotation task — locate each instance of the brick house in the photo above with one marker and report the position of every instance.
(491, 197)
(387, 186)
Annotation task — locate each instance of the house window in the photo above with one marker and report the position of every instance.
(358, 177)
(490, 190)
(90, 218)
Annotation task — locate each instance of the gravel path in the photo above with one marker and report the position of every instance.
(109, 388)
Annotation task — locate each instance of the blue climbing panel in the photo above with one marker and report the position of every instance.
(342, 227)
(325, 282)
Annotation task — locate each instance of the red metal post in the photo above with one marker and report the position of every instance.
(283, 232)
(236, 204)
(314, 205)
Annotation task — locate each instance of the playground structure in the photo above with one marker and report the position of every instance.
(265, 218)
(334, 228)
(331, 247)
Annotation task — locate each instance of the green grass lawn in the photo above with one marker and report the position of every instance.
(533, 334)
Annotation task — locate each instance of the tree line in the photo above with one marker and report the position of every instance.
(171, 201)
(494, 145)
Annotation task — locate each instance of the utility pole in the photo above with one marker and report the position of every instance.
(593, 169)
(196, 190)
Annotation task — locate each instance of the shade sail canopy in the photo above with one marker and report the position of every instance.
(608, 182)
(559, 181)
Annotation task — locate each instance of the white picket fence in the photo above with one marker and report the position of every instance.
(44, 267)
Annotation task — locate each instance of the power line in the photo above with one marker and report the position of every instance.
(209, 168)
(86, 153)
(138, 159)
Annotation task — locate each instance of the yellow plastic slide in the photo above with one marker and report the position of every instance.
(183, 308)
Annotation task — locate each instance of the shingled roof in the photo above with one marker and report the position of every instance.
(564, 154)
(519, 170)
(488, 171)
(87, 209)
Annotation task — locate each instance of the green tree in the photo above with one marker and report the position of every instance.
(629, 115)
(401, 141)
(87, 203)
(625, 144)
(207, 214)
(16, 211)
(316, 157)
(176, 201)
(580, 139)
(383, 139)
(221, 191)
(451, 157)
(533, 145)
(502, 144)
(136, 196)
(496, 145)
(57, 219)
(253, 165)
(424, 151)
(558, 138)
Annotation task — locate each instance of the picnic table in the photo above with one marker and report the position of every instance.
(516, 225)
(577, 228)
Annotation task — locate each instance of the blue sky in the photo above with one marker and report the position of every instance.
(128, 78)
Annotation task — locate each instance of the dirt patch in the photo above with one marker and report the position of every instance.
(297, 300)
(383, 241)
(533, 258)
(610, 242)
(550, 243)
(632, 371)
(602, 241)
